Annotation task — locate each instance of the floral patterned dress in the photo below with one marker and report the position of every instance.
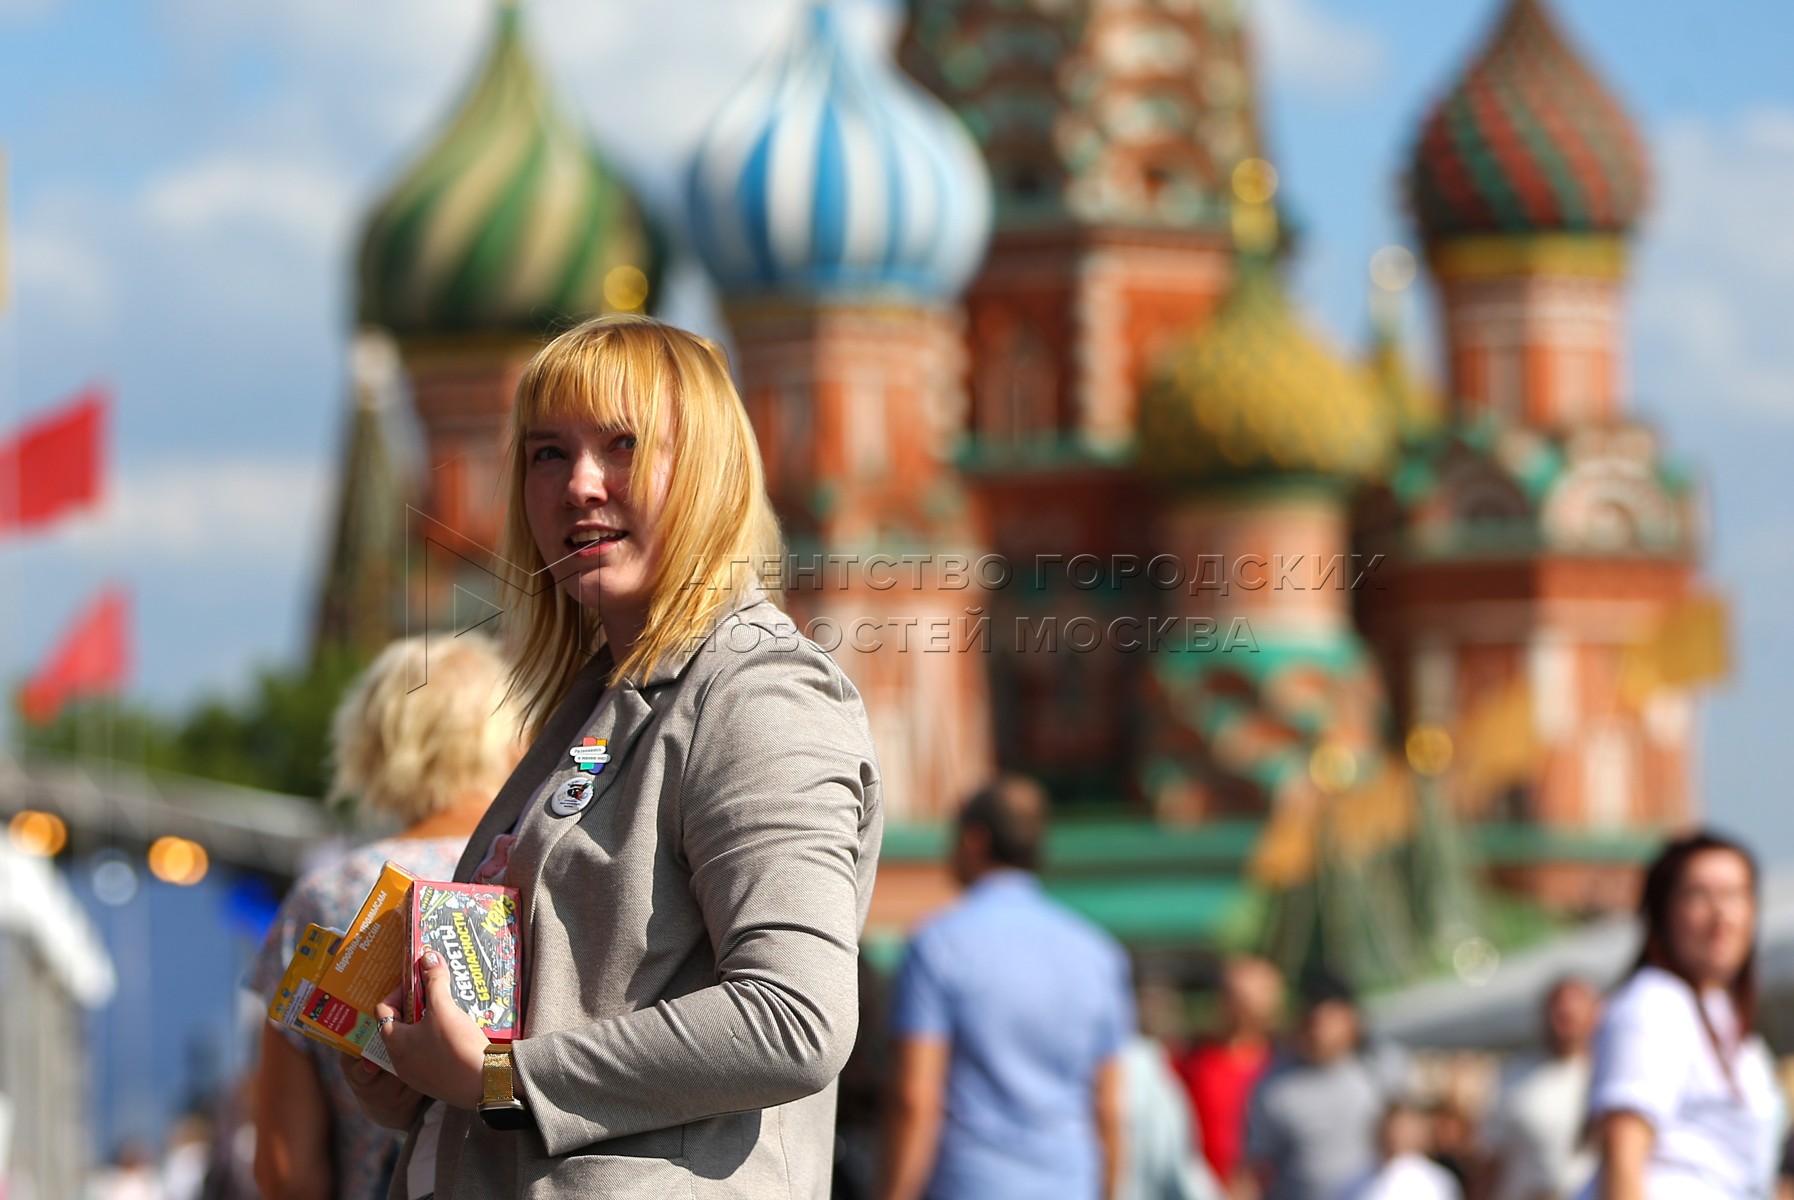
(363, 1153)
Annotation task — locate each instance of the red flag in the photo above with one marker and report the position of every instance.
(92, 660)
(54, 464)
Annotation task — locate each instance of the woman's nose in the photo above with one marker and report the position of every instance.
(586, 485)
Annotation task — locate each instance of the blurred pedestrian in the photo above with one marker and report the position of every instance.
(1164, 1159)
(230, 1165)
(1684, 1101)
(132, 1175)
(1452, 1140)
(1219, 1074)
(1312, 1125)
(184, 1161)
(430, 757)
(860, 1099)
(1532, 1143)
(1404, 1168)
(1010, 1015)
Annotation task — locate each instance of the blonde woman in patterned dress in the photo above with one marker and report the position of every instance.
(429, 758)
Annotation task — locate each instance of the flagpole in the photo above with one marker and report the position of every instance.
(10, 406)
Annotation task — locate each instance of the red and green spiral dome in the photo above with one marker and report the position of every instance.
(1528, 141)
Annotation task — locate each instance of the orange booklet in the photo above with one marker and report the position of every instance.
(370, 963)
(301, 1004)
(335, 979)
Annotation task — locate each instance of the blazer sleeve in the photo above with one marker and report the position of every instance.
(773, 806)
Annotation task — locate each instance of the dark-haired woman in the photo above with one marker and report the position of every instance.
(1683, 1102)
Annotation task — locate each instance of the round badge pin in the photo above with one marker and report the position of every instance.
(571, 796)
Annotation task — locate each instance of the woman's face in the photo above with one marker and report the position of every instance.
(1712, 917)
(599, 541)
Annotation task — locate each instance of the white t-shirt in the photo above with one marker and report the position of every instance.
(420, 1172)
(1714, 1140)
(1535, 1129)
(1404, 1177)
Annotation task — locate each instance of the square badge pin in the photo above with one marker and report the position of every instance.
(591, 755)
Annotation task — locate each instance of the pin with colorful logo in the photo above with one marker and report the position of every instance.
(591, 755)
(571, 796)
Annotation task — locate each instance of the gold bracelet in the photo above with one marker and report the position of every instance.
(499, 1106)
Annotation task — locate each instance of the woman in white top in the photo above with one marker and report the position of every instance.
(1683, 1104)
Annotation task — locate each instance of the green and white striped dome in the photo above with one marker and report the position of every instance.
(509, 221)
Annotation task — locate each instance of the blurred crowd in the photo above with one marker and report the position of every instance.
(1021, 1054)
(206, 1156)
(1019, 1071)
(1021, 1065)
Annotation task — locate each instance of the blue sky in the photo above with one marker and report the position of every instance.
(185, 178)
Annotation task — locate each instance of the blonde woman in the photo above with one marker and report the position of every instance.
(693, 829)
(429, 758)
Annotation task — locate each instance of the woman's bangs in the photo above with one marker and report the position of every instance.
(604, 381)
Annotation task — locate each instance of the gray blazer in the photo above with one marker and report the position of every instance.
(691, 934)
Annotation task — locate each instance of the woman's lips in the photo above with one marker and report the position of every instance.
(598, 548)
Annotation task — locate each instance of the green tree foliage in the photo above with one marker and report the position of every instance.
(275, 737)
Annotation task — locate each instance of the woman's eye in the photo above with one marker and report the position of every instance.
(543, 453)
(623, 441)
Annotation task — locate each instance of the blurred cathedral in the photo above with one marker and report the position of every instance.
(1020, 299)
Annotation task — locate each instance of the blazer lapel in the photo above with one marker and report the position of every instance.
(619, 721)
(542, 759)
(620, 718)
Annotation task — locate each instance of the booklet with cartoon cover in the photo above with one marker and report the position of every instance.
(474, 929)
(336, 979)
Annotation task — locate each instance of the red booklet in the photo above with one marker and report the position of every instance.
(474, 929)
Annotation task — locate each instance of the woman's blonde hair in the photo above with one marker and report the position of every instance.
(417, 733)
(672, 390)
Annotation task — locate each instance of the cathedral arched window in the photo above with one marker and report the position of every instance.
(1018, 385)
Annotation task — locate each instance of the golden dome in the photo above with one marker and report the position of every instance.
(1254, 393)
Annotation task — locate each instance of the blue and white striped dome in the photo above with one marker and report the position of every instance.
(831, 174)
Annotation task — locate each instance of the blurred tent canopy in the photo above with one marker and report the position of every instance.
(1503, 1013)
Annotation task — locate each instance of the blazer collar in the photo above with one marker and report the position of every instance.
(539, 761)
(623, 715)
(674, 664)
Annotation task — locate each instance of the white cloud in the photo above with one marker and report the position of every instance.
(27, 10)
(1307, 49)
(300, 201)
(277, 192)
(379, 77)
(211, 514)
(643, 100)
(220, 555)
(60, 269)
(1716, 267)
(229, 236)
(382, 66)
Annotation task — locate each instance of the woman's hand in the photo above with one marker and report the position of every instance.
(385, 1099)
(443, 1053)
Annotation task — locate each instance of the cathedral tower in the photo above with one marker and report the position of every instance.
(841, 210)
(1112, 132)
(1540, 539)
(1257, 434)
(508, 228)
(1526, 182)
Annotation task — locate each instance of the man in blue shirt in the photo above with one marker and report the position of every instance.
(1009, 1017)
